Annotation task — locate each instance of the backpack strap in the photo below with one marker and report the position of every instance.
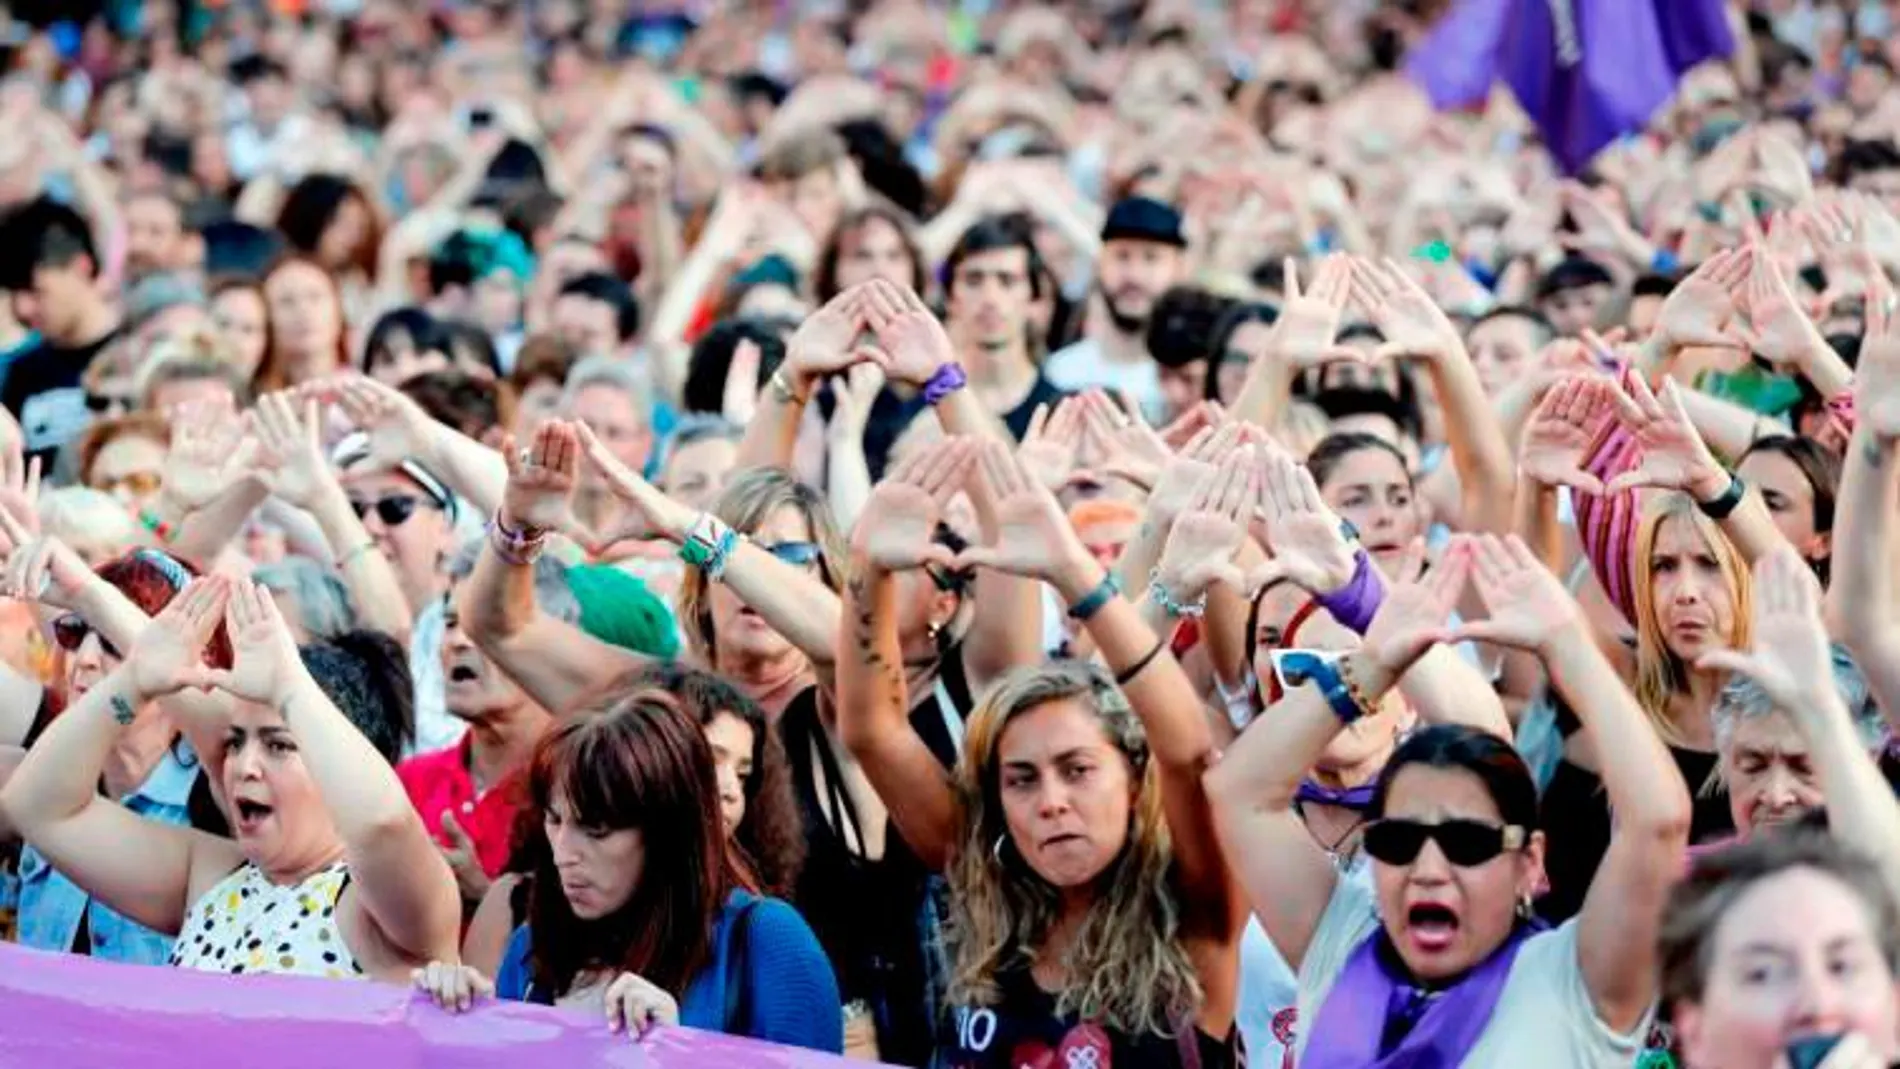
(738, 1013)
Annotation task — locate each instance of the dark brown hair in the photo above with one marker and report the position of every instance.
(850, 226)
(271, 373)
(633, 762)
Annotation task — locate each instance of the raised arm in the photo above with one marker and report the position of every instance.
(1530, 609)
(298, 472)
(557, 664)
(1288, 877)
(873, 701)
(140, 868)
(1791, 661)
(405, 885)
(399, 429)
(1863, 523)
(824, 345)
(1414, 326)
(1302, 337)
(796, 603)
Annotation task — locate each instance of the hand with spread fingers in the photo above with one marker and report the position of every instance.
(1033, 536)
(1306, 541)
(1411, 321)
(541, 478)
(397, 427)
(907, 332)
(209, 451)
(648, 513)
(828, 342)
(1412, 617)
(265, 663)
(1202, 543)
(1673, 454)
(1791, 660)
(295, 468)
(1053, 443)
(1698, 311)
(169, 654)
(1174, 487)
(898, 530)
(1306, 333)
(1558, 438)
(1527, 607)
(1781, 331)
(1129, 448)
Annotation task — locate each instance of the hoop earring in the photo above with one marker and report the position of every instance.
(996, 851)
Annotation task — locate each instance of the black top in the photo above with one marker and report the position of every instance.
(890, 414)
(43, 391)
(1023, 1029)
(1576, 818)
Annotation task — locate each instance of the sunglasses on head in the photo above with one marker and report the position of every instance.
(797, 554)
(1465, 843)
(70, 631)
(393, 510)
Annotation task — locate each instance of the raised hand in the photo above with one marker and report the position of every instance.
(1306, 543)
(1202, 543)
(397, 427)
(1782, 332)
(1560, 432)
(907, 332)
(1528, 607)
(648, 514)
(295, 468)
(851, 405)
(1129, 448)
(1174, 488)
(542, 477)
(1412, 617)
(209, 451)
(168, 655)
(1877, 377)
(1673, 456)
(1411, 321)
(1033, 536)
(44, 569)
(455, 988)
(1052, 444)
(827, 343)
(1791, 660)
(264, 663)
(1308, 326)
(899, 525)
(1698, 310)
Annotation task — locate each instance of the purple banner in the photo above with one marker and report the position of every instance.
(76, 1013)
(1588, 71)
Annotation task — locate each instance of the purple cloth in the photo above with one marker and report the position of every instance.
(1355, 604)
(77, 1013)
(1588, 71)
(1372, 990)
(1357, 799)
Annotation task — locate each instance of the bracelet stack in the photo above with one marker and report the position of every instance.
(160, 530)
(515, 546)
(708, 545)
(1176, 609)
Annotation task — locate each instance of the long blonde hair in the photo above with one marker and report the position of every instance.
(1125, 967)
(1660, 674)
(746, 502)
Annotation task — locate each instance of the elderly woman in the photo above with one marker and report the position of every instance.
(1766, 759)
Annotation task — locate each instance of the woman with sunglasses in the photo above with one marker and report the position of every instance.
(1094, 911)
(1440, 962)
(152, 766)
(331, 872)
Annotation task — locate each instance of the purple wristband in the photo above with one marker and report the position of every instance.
(1355, 604)
(945, 381)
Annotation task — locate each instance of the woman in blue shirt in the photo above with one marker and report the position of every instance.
(635, 910)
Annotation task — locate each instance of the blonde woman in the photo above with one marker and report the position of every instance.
(1094, 915)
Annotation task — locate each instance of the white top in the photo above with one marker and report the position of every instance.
(247, 924)
(1083, 365)
(1544, 1015)
(1268, 1011)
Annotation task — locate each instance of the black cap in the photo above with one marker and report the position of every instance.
(1144, 219)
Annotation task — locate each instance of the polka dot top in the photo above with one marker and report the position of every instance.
(246, 924)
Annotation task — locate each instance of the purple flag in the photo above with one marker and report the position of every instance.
(1587, 71)
(77, 1013)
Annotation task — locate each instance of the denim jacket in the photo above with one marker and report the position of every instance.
(51, 904)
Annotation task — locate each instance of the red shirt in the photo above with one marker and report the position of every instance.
(440, 782)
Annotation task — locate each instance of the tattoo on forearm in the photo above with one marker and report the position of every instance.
(864, 636)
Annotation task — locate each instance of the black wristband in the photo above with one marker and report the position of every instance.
(1127, 675)
(1720, 507)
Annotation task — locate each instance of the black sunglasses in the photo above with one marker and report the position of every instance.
(70, 631)
(1465, 843)
(393, 510)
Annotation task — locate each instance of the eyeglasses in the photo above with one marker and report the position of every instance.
(797, 554)
(393, 510)
(1465, 843)
(70, 631)
(137, 483)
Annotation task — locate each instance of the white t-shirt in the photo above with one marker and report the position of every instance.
(1083, 365)
(1544, 1016)
(1268, 1012)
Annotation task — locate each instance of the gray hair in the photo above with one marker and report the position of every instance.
(1744, 699)
(322, 599)
(611, 371)
(698, 427)
(552, 595)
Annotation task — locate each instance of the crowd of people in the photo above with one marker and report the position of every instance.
(983, 535)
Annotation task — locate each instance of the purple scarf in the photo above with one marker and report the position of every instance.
(1357, 799)
(1372, 990)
